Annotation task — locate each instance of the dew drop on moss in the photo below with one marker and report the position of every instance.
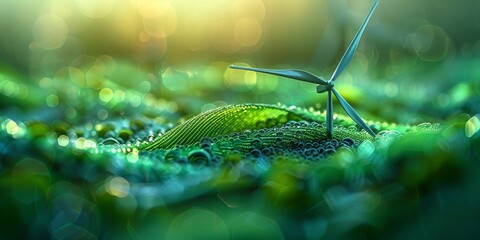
(424, 126)
(199, 157)
(255, 153)
(267, 151)
(217, 159)
(125, 134)
(257, 143)
(329, 151)
(366, 149)
(348, 141)
(311, 152)
(172, 155)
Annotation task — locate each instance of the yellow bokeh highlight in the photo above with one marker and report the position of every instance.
(195, 35)
(83, 143)
(95, 75)
(132, 157)
(152, 8)
(117, 186)
(13, 89)
(61, 8)
(472, 126)
(63, 140)
(49, 32)
(247, 32)
(248, 9)
(105, 95)
(224, 41)
(11, 127)
(250, 78)
(80, 143)
(77, 76)
(95, 8)
(162, 25)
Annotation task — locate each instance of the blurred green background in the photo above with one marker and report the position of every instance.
(417, 57)
(68, 66)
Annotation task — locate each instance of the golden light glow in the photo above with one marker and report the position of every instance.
(61, 8)
(240, 80)
(152, 8)
(162, 25)
(247, 32)
(49, 32)
(248, 9)
(63, 140)
(105, 95)
(94, 8)
(133, 156)
(118, 187)
(223, 39)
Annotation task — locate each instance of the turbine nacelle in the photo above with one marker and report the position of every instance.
(324, 88)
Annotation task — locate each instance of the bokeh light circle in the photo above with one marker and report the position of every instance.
(49, 32)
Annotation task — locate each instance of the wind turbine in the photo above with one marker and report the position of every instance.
(327, 86)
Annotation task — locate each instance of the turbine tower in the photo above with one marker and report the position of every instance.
(327, 86)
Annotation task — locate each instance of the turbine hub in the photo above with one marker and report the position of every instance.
(330, 85)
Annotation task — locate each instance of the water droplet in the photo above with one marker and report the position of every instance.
(257, 143)
(267, 151)
(311, 152)
(125, 134)
(217, 159)
(329, 151)
(424, 126)
(348, 141)
(255, 153)
(199, 157)
(321, 150)
(366, 149)
(172, 155)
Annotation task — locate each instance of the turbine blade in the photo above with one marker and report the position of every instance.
(329, 117)
(347, 56)
(352, 113)
(288, 73)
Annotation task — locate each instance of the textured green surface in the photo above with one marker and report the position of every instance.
(238, 118)
(247, 167)
(222, 121)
